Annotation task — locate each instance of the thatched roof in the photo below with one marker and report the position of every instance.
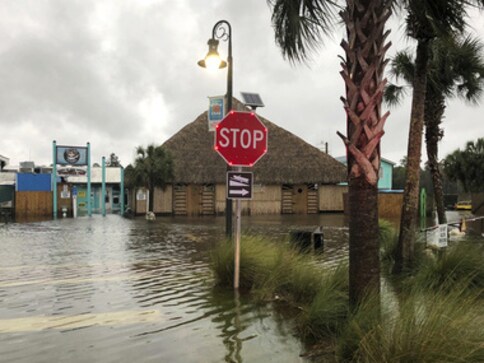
(289, 159)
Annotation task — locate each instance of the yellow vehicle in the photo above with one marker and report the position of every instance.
(463, 205)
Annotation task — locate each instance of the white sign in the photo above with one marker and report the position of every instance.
(247, 139)
(437, 237)
(65, 193)
(141, 195)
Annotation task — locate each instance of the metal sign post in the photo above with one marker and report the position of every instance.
(74, 201)
(238, 223)
(239, 186)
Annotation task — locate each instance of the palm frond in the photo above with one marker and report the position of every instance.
(428, 19)
(300, 25)
(393, 94)
(468, 67)
(403, 66)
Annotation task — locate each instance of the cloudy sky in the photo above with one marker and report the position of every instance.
(123, 73)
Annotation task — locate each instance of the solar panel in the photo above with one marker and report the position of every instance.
(252, 99)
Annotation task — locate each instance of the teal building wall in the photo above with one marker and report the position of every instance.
(386, 174)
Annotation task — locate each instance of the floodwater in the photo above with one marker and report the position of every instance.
(108, 289)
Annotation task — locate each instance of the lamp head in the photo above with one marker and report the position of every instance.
(212, 59)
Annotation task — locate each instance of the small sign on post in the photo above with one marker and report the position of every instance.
(437, 237)
(216, 111)
(239, 185)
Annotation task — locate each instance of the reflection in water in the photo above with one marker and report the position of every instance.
(117, 290)
(234, 342)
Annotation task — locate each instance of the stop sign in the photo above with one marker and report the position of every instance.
(240, 138)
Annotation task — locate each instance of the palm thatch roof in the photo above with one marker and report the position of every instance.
(289, 159)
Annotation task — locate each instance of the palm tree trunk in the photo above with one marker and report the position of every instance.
(364, 255)
(408, 222)
(363, 75)
(434, 111)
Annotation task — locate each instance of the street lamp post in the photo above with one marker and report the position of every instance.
(222, 30)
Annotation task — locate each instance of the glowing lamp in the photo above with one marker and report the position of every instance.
(212, 60)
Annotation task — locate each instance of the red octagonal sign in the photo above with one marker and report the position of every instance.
(240, 138)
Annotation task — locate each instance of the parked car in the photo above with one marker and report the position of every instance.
(463, 205)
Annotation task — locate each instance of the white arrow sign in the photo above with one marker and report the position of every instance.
(241, 179)
(242, 192)
(234, 183)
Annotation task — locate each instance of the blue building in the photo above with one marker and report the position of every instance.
(385, 176)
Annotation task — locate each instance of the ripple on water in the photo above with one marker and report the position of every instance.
(117, 290)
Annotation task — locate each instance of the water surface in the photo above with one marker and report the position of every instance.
(117, 290)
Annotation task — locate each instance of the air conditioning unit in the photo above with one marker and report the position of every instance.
(27, 167)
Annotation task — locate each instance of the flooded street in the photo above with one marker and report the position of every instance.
(117, 290)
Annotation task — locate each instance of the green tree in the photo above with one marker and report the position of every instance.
(467, 166)
(426, 20)
(152, 167)
(399, 173)
(113, 161)
(456, 68)
(299, 27)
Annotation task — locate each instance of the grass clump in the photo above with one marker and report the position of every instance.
(435, 326)
(361, 321)
(433, 319)
(326, 314)
(388, 240)
(270, 270)
(257, 261)
(460, 264)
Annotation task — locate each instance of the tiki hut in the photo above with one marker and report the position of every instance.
(293, 176)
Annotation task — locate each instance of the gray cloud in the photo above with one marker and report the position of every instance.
(122, 73)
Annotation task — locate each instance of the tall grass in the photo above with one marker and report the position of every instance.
(460, 264)
(388, 250)
(326, 314)
(388, 240)
(257, 262)
(435, 319)
(271, 269)
(435, 326)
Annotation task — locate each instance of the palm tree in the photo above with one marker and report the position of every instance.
(153, 167)
(299, 27)
(456, 68)
(426, 21)
(467, 166)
